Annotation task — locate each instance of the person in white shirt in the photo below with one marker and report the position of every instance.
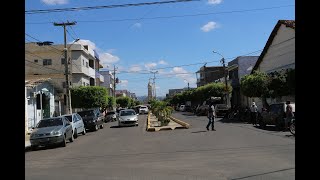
(211, 116)
(254, 113)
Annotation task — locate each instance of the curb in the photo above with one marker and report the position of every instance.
(184, 124)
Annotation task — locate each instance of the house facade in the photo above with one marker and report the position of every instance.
(278, 54)
(209, 74)
(44, 99)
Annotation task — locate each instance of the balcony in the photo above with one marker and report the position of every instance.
(92, 72)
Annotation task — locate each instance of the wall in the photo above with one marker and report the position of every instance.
(281, 55)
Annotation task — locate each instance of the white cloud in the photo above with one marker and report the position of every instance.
(135, 68)
(184, 75)
(111, 51)
(162, 62)
(214, 1)
(55, 2)
(209, 26)
(123, 83)
(150, 65)
(107, 59)
(137, 25)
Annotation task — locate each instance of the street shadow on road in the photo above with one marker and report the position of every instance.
(188, 114)
(226, 120)
(120, 126)
(44, 148)
(198, 131)
(268, 128)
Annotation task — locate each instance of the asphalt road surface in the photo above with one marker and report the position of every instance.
(235, 151)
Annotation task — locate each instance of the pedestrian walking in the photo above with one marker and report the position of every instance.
(254, 113)
(211, 116)
(289, 115)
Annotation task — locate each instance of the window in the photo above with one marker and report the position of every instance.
(87, 65)
(83, 62)
(47, 62)
(36, 60)
(63, 60)
(84, 84)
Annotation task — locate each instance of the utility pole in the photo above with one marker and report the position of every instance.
(154, 83)
(68, 94)
(114, 81)
(225, 75)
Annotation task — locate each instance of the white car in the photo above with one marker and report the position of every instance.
(77, 124)
(143, 110)
(127, 117)
(182, 108)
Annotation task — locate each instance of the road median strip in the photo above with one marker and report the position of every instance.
(184, 124)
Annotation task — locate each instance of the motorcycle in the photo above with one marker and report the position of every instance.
(292, 127)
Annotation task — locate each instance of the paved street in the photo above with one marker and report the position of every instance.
(234, 151)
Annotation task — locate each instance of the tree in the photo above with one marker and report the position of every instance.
(124, 101)
(162, 111)
(89, 97)
(111, 102)
(255, 85)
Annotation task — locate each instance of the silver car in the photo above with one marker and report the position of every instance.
(127, 117)
(51, 131)
(76, 123)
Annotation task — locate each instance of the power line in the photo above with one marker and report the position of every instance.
(103, 7)
(173, 16)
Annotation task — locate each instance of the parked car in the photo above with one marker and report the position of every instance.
(110, 116)
(127, 117)
(221, 109)
(77, 124)
(143, 110)
(92, 119)
(51, 131)
(275, 115)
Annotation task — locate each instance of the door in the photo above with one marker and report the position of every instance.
(80, 123)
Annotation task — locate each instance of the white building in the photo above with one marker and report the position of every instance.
(278, 54)
(43, 100)
(108, 81)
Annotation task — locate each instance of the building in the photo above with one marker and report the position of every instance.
(278, 54)
(208, 75)
(173, 92)
(238, 68)
(122, 93)
(47, 61)
(108, 81)
(43, 100)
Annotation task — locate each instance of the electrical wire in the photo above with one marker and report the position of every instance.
(103, 7)
(173, 16)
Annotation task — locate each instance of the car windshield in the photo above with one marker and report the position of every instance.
(222, 106)
(109, 113)
(86, 113)
(143, 107)
(50, 122)
(127, 113)
(69, 118)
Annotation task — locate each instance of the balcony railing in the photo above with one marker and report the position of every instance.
(98, 75)
(92, 72)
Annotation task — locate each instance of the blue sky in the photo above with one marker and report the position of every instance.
(159, 40)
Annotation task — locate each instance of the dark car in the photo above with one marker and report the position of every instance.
(221, 110)
(92, 119)
(275, 115)
(110, 116)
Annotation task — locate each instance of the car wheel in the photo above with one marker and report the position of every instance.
(292, 128)
(64, 143)
(137, 124)
(96, 128)
(71, 139)
(75, 134)
(84, 131)
(101, 126)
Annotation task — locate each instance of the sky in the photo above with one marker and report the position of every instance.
(174, 39)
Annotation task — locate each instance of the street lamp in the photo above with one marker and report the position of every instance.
(225, 74)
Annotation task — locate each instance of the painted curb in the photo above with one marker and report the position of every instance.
(184, 124)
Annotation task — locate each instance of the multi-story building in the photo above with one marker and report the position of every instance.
(150, 95)
(238, 68)
(209, 74)
(108, 81)
(43, 60)
(47, 61)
